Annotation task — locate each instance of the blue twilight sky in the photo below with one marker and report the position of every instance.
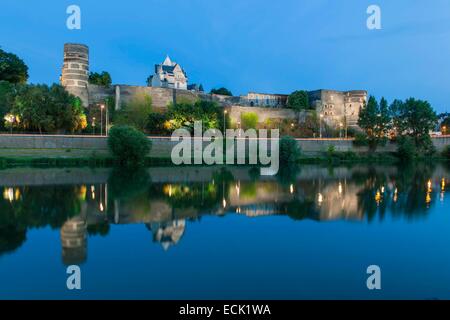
(267, 46)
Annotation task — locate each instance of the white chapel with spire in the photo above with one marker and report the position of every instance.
(169, 74)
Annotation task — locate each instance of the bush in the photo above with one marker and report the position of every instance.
(249, 120)
(331, 151)
(406, 150)
(155, 124)
(446, 152)
(289, 150)
(128, 145)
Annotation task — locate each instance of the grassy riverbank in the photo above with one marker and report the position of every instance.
(78, 158)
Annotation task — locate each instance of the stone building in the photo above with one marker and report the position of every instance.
(264, 100)
(75, 71)
(168, 74)
(338, 107)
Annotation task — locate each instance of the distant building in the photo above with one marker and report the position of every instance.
(338, 107)
(169, 74)
(255, 99)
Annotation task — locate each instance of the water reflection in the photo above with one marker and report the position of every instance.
(167, 199)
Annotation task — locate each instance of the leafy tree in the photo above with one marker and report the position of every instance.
(184, 114)
(12, 68)
(375, 120)
(415, 118)
(289, 150)
(156, 122)
(48, 109)
(222, 91)
(100, 79)
(200, 88)
(128, 145)
(7, 96)
(136, 112)
(249, 120)
(406, 148)
(298, 101)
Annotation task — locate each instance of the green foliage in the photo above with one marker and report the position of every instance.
(7, 96)
(298, 100)
(12, 68)
(222, 91)
(184, 114)
(415, 118)
(361, 140)
(47, 109)
(135, 113)
(331, 150)
(100, 79)
(406, 149)
(128, 145)
(375, 121)
(249, 120)
(289, 150)
(156, 123)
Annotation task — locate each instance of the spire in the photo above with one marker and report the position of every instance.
(167, 61)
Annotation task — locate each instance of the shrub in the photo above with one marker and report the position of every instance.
(249, 120)
(406, 150)
(446, 152)
(128, 145)
(289, 150)
(331, 151)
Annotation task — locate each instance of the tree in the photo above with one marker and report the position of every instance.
(249, 120)
(415, 118)
(136, 112)
(12, 68)
(7, 96)
(100, 79)
(48, 109)
(375, 121)
(298, 101)
(184, 114)
(222, 91)
(128, 145)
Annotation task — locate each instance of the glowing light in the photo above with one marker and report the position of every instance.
(101, 207)
(428, 199)
(382, 189)
(238, 190)
(291, 188)
(17, 194)
(8, 194)
(224, 202)
(429, 186)
(443, 185)
(340, 188)
(319, 198)
(378, 197)
(395, 195)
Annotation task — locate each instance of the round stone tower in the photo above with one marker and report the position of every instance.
(75, 71)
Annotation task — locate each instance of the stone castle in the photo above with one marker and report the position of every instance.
(169, 84)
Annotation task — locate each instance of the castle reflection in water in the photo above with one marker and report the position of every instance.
(83, 203)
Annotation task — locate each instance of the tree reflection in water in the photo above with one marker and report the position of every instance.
(165, 205)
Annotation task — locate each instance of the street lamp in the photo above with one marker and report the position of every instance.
(102, 106)
(224, 122)
(93, 125)
(320, 121)
(340, 129)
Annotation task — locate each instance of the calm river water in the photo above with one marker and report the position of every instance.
(212, 232)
